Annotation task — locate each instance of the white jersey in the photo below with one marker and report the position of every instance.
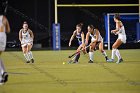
(93, 37)
(2, 35)
(26, 38)
(121, 34)
(25, 35)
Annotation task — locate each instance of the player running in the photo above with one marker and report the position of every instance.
(4, 27)
(80, 36)
(26, 38)
(96, 40)
(120, 31)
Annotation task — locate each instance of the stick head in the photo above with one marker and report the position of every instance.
(69, 56)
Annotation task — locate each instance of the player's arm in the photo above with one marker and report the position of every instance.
(117, 28)
(6, 24)
(20, 35)
(31, 34)
(72, 37)
(87, 38)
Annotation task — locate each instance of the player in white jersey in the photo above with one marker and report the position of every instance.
(4, 27)
(120, 31)
(26, 38)
(96, 40)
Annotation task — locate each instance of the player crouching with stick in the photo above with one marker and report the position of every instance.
(80, 36)
(26, 38)
(96, 39)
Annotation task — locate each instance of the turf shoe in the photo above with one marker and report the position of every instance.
(90, 61)
(119, 61)
(75, 62)
(5, 77)
(27, 61)
(110, 60)
(32, 60)
(106, 58)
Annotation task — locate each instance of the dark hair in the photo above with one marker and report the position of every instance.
(79, 25)
(117, 16)
(91, 26)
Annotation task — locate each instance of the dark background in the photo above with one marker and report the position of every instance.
(40, 16)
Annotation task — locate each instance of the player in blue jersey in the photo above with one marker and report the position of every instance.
(80, 37)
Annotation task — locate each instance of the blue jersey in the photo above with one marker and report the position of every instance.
(78, 36)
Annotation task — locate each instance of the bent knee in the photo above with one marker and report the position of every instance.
(114, 46)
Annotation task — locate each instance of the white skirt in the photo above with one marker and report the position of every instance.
(99, 39)
(2, 41)
(26, 42)
(122, 38)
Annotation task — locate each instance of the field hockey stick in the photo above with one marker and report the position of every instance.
(77, 52)
(73, 54)
(70, 61)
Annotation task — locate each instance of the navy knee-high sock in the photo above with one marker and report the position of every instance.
(77, 57)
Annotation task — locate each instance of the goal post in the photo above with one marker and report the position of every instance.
(107, 38)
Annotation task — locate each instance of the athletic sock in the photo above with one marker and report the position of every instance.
(91, 56)
(113, 53)
(2, 69)
(27, 56)
(118, 54)
(77, 57)
(30, 55)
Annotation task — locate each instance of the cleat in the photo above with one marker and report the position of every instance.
(119, 61)
(27, 61)
(110, 60)
(5, 77)
(106, 58)
(75, 62)
(90, 61)
(32, 60)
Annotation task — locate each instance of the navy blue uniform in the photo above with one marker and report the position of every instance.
(78, 36)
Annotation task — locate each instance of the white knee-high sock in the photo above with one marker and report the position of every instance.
(2, 68)
(27, 56)
(118, 54)
(30, 55)
(113, 53)
(91, 56)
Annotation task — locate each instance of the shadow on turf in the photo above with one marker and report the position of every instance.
(122, 77)
(62, 82)
(16, 73)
